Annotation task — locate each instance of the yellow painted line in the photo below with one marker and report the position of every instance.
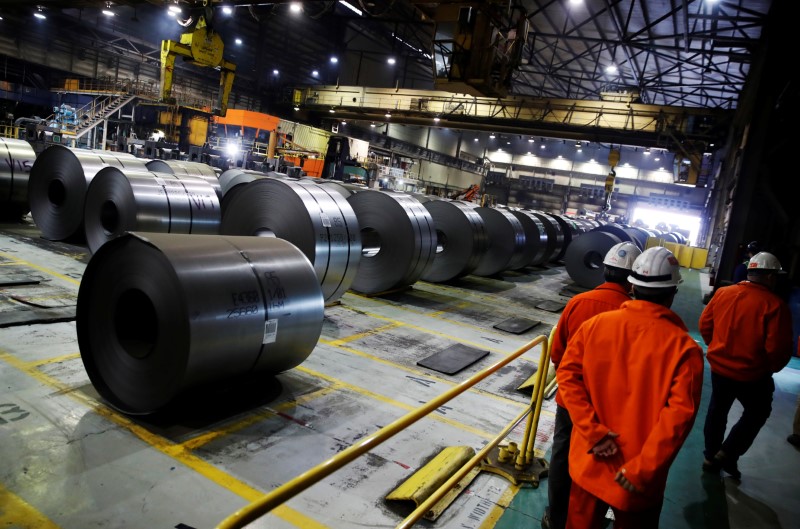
(41, 268)
(462, 305)
(396, 403)
(19, 514)
(431, 331)
(167, 447)
(418, 372)
(62, 358)
(358, 336)
(500, 507)
(200, 440)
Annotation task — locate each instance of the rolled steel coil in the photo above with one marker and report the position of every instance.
(153, 202)
(555, 236)
(58, 182)
(232, 182)
(17, 160)
(317, 220)
(506, 241)
(398, 240)
(185, 168)
(617, 229)
(584, 257)
(638, 236)
(161, 313)
(570, 230)
(535, 236)
(461, 240)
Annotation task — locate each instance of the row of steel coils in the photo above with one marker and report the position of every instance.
(197, 276)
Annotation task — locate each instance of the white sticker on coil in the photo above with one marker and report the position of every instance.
(159, 181)
(270, 331)
(326, 220)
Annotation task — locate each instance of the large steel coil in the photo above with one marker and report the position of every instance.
(535, 236)
(638, 236)
(186, 168)
(58, 182)
(153, 202)
(398, 238)
(344, 188)
(461, 240)
(570, 230)
(555, 236)
(617, 229)
(158, 314)
(317, 220)
(17, 160)
(233, 181)
(584, 257)
(506, 241)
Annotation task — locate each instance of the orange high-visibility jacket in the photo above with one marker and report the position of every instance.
(637, 372)
(605, 297)
(748, 330)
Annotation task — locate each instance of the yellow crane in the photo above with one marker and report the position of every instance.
(201, 46)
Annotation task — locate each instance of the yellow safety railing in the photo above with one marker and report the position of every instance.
(9, 131)
(308, 478)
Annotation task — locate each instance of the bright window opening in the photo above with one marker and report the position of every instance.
(658, 219)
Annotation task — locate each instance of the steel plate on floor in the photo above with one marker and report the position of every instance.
(453, 359)
(551, 306)
(517, 325)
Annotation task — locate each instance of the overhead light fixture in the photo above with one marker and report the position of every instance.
(107, 11)
(542, 146)
(391, 60)
(315, 73)
(296, 108)
(436, 120)
(174, 8)
(611, 68)
(577, 144)
(228, 10)
(647, 151)
(275, 72)
(491, 136)
(372, 125)
(332, 110)
(508, 143)
(388, 115)
(238, 41)
(295, 7)
(38, 13)
(334, 60)
(530, 140)
(351, 7)
(476, 139)
(344, 123)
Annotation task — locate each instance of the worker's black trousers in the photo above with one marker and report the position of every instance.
(756, 399)
(558, 480)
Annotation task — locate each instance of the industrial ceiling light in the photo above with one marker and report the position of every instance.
(174, 8)
(332, 110)
(296, 108)
(344, 123)
(351, 7)
(388, 115)
(228, 10)
(530, 140)
(372, 125)
(611, 68)
(238, 41)
(334, 60)
(107, 11)
(491, 136)
(436, 120)
(315, 73)
(647, 151)
(391, 60)
(38, 13)
(476, 139)
(275, 72)
(577, 144)
(295, 7)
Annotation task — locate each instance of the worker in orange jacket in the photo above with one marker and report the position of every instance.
(607, 296)
(631, 381)
(748, 329)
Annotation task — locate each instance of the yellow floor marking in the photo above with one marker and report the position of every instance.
(430, 331)
(19, 514)
(167, 447)
(396, 403)
(358, 336)
(53, 360)
(500, 507)
(41, 268)
(417, 372)
(203, 439)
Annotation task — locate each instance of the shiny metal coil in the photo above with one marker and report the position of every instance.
(398, 238)
(58, 182)
(535, 236)
(117, 202)
(555, 235)
(319, 221)
(186, 168)
(461, 240)
(506, 241)
(584, 257)
(16, 160)
(160, 313)
(345, 189)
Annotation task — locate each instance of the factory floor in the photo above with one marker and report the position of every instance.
(67, 460)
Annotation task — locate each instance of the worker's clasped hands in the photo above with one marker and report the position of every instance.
(607, 447)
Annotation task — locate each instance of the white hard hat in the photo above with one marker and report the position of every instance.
(764, 261)
(656, 267)
(622, 255)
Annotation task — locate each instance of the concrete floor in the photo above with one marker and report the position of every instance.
(68, 460)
